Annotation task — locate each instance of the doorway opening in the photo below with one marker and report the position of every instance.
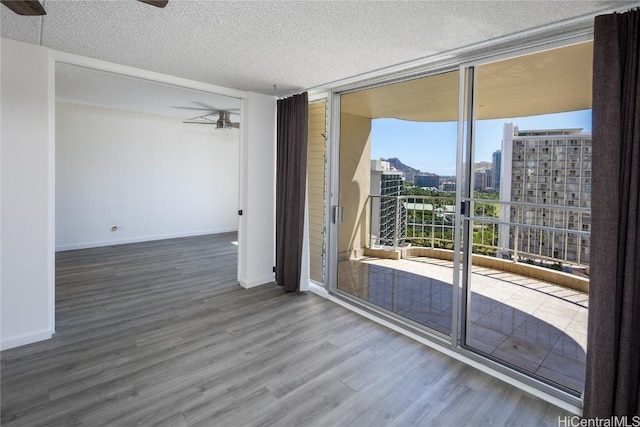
(129, 170)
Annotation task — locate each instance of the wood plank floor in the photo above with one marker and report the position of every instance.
(160, 333)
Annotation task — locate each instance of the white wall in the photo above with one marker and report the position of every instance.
(256, 236)
(26, 182)
(153, 175)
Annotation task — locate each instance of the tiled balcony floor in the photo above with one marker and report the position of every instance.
(536, 326)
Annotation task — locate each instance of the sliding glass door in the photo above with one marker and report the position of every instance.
(461, 209)
(397, 181)
(528, 222)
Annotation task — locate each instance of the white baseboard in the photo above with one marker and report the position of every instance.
(318, 289)
(25, 339)
(86, 245)
(257, 282)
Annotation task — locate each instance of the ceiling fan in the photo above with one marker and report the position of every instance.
(35, 8)
(223, 122)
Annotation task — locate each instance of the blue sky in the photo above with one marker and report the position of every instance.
(431, 147)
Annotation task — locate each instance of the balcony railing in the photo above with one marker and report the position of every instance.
(518, 231)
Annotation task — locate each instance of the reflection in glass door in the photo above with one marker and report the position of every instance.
(396, 211)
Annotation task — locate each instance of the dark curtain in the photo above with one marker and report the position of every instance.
(613, 349)
(291, 184)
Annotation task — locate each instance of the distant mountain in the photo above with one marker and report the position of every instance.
(398, 165)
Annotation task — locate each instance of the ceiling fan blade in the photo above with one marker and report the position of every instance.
(235, 125)
(202, 118)
(205, 106)
(201, 123)
(156, 3)
(198, 109)
(25, 7)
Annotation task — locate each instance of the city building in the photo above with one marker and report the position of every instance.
(480, 179)
(386, 184)
(449, 186)
(545, 169)
(427, 180)
(490, 179)
(497, 166)
(409, 176)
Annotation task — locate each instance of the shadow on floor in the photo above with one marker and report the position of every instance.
(527, 329)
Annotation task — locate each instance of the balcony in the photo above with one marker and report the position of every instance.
(528, 300)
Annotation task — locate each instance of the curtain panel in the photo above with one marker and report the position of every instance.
(291, 185)
(613, 345)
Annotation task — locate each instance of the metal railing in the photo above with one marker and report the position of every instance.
(514, 230)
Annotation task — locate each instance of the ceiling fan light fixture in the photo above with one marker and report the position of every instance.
(223, 122)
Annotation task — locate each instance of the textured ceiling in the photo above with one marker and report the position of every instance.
(254, 45)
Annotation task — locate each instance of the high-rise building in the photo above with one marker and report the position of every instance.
(489, 174)
(387, 184)
(427, 180)
(497, 162)
(449, 186)
(546, 168)
(480, 179)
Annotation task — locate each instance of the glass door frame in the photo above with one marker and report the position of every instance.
(454, 345)
(334, 210)
(466, 141)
